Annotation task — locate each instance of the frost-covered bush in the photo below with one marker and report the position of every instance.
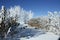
(6, 21)
(23, 15)
(54, 21)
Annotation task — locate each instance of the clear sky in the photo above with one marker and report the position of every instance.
(39, 7)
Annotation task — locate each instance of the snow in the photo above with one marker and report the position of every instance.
(31, 34)
(47, 36)
(24, 33)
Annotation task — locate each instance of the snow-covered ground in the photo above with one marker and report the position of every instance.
(47, 36)
(22, 33)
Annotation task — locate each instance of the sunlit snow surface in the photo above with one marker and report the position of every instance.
(30, 34)
(47, 36)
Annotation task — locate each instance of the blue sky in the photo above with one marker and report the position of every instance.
(39, 7)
